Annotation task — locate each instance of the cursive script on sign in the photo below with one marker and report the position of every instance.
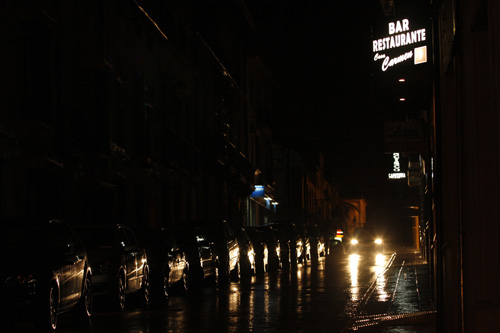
(388, 62)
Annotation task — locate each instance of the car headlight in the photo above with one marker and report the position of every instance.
(354, 241)
(378, 241)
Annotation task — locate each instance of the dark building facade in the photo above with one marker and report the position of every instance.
(134, 111)
(467, 164)
(304, 193)
(456, 170)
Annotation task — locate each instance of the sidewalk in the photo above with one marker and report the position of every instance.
(408, 307)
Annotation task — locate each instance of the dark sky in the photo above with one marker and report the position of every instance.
(320, 51)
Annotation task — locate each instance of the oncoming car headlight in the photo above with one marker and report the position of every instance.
(378, 241)
(354, 241)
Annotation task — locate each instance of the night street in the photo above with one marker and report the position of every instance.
(249, 166)
(324, 296)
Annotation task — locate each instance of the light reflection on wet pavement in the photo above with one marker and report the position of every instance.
(319, 296)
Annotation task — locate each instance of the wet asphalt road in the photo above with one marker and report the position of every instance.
(319, 296)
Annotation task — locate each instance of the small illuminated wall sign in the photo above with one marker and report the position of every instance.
(420, 55)
(396, 175)
(397, 170)
(400, 45)
(259, 191)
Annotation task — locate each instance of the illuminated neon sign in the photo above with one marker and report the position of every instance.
(259, 191)
(396, 172)
(400, 36)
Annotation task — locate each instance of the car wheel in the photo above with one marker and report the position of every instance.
(86, 301)
(121, 292)
(296, 260)
(265, 264)
(302, 258)
(236, 273)
(216, 276)
(146, 287)
(185, 281)
(165, 275)
(53, 305)
(247, 269)
(224, 273)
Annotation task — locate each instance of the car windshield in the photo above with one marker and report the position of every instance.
(363, 234)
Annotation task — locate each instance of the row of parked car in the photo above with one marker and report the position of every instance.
(50, 268)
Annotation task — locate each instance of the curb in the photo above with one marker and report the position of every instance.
(422, 318)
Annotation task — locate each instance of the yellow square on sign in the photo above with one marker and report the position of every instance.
(420, 55)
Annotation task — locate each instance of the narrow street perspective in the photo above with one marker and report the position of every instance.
(386, 292)
(249, 166)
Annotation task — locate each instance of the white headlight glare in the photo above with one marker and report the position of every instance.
(354, 241)
(378, 241)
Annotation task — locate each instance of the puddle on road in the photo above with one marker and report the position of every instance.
(367, 276)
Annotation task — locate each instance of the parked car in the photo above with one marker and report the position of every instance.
(366, 240)
(119, 263)
(201, 255)
(306, 242)
(226, 245)
(296, 243)
(278, 249)
(284, 245)
(247, 253)
(318, 246)
(334, 239)
(45, 272)
(167, 261)
(259, 238)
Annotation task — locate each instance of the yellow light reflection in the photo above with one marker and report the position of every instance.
(266, 257)
(234, 303)
(380, 263)
(267, 309)
(251, 310)
(299, 274)
(353, 270)
(251, 256)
